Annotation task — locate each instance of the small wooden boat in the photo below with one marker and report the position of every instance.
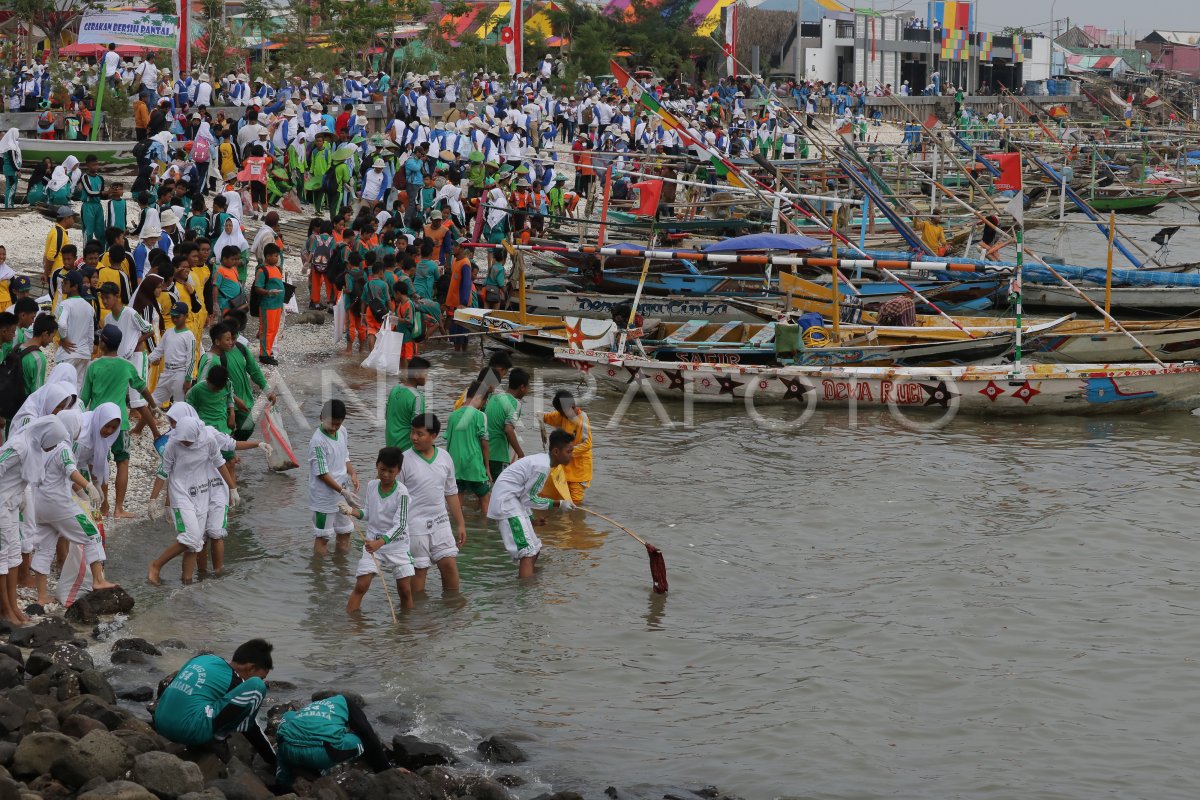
(114, 154)
(942, 391)
(1157, 298)
(1168, 343)
(668, 308)
(537, 334)
(1127, 203)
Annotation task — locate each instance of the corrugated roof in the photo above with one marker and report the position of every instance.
(1188, 38)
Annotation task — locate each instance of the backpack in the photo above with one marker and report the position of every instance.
(141, 150)
(12, 385)
(329, 180)
(427, 314)
(201, 150)
(378, 307)
(321, 255)
(254, 299)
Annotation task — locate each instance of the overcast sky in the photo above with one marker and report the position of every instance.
(992, 15)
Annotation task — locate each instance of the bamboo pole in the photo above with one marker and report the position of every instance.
(1112, 225)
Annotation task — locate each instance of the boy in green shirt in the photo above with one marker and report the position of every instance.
(467, 443)
(503, 410)
(211, 399)
(268, 284)
(33, 359)
(404, 404)
(108, 379)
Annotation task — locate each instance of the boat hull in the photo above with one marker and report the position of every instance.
(111, 153)
(1134, 298)
(987, 390)
(1110, 347)
(667, 309)
(539, 335)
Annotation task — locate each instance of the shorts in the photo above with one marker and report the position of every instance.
(78, 529)
(258, 192)
(119, 450)
(519, 539)
(408, 349)
(134, 397)
(431, 540)
(393, 555)
(477, 488)
(327, 523)
(495, 468)
(10, 538)
(169, 388)
(194, 525)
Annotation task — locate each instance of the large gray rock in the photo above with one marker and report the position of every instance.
(207, 794)
(48, 631)
(118, 790)
(9, 789)
(11, 716)
(97, 755)
(37, 751)
(242, 783)
(91, 706)
(63, 654)
(140, 645)
(398, 784)
(412, 753)
(78, 726)
(501, 750)
(481, 787)
(91, 607)
(167, 776)
(11, 672)
(138, 742)
(92, 682)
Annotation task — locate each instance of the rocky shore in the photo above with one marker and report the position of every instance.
(70, 728)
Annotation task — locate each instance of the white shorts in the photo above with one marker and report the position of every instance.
(29, 530)
(135, 398)
(169, 388)
(194, 525)
(78, 529)
(393, 555)
(10, 538)
(327, 523)
(519, 539)
(431, 541)
(80, 365)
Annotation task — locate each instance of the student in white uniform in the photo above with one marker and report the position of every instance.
(387, 539)
(76, 326)
(201, 491)
(136, 331)
(22, 464)
(429, 475)
(516, 493)
(60, 515)
(331, 479)
(177, 352)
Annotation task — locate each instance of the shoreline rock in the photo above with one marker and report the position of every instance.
(67, 732)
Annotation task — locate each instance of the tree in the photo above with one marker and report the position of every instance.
(768, 30)
(260, 21)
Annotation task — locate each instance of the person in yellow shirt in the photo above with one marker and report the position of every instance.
(574, 420)
(934, 235)
(56, 239)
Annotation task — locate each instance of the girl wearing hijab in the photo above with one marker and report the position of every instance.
(62, 182)
(57, 394)
(35, 193)
(232, 236)
(22, 464)
(10, 164)
(201, 491)
(98, 430)
(496, 218)
(60, 515)
(207, 150)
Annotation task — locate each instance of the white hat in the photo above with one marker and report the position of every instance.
(378, 164)
(243, 76)
(289, 110)
(360, 109)
(152, 232)
(168, 218)
(259, 80)
(204, 76)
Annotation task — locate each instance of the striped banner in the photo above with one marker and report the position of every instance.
(952, 15)
(986, 42)
(1018, 49)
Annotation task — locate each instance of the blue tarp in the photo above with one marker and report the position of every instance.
(765, 241)
(1121, 277)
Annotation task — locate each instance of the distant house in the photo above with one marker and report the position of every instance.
(1173, 51)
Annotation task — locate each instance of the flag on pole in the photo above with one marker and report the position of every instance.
(1009, 179)
(513, 37)
(731, 33)
(1018, 48)
(649, 193)
(932, 122)
(1016, 207)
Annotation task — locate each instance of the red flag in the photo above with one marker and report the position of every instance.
(1009, 179)
(932, 122)
(649, 193)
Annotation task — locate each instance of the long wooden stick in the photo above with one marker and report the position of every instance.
(379, 569)
(612, 522)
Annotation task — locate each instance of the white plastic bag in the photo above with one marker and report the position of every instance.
(281, 457)
(389, 344)
(339, 322)
(75, 580)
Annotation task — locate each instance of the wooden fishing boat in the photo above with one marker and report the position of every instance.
(940, 391)
(1135, 298)
(1107, 347)
(537, 334)
(114, 154)
(1127, 203)
(699, 341)
(668, 308)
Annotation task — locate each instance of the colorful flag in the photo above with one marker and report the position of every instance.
(932, 122)
(649, 193)
(731, 34)
(954, 44)
(1009, 179)
(513, 37)
(986, 43)
(955, 15)
(1018, 49)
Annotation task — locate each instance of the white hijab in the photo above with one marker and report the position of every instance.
(94, 445)
(61, 176)
(233, 204)
(497, 206)
(31, 444)
(11, 143)
(58, 387)
(237, 239)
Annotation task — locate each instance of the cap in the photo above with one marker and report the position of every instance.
(378, 164)
(20, 284)
(435, 215)
(65, 211)
(110, 336)
(74, 278)
(179, 310)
